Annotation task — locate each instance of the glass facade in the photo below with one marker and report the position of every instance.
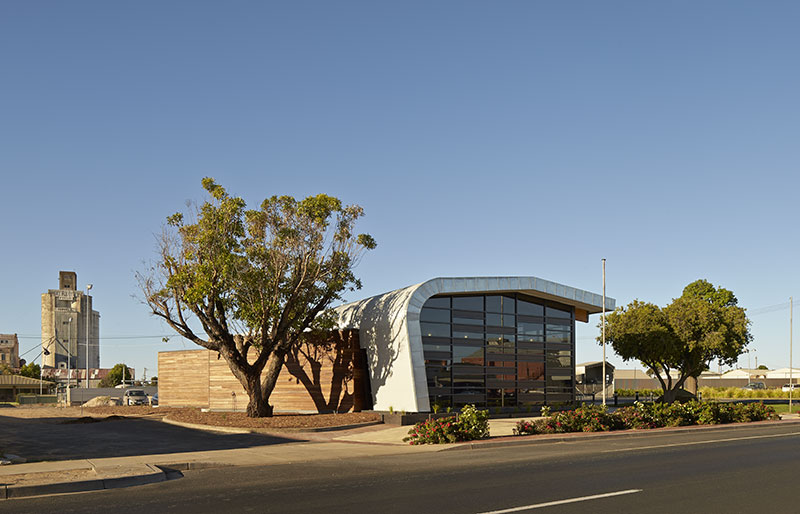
(499, 351)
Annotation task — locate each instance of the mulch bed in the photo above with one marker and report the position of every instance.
(194, 415)
(278, 421)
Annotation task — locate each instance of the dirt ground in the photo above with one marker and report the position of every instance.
(192, 415)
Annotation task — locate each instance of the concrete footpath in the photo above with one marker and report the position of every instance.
(80, 475)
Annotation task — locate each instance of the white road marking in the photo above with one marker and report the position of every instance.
(701, 442)
(562, 502)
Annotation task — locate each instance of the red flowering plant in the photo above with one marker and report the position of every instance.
(469, 425)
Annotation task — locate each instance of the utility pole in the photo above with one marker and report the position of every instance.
(604, 332)
(88, 328)
(791, 386)
(69, 363)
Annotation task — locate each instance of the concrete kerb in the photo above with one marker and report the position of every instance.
(136, 475)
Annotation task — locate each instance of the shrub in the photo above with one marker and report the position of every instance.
(646, 415)
(471, 424)
(712, 393)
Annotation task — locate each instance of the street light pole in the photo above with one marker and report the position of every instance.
(69, 362)
(791, 386)
(604, 332)
(88, 328)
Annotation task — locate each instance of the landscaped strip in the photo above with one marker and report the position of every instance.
(592, 418)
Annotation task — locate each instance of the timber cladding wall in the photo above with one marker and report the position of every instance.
(323, 375)
(185, 381)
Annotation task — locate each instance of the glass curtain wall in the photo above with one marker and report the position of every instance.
(499, 351)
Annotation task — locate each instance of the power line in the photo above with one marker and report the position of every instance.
(38, 336)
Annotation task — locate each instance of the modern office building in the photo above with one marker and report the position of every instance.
(499, 342)
(69, 325)
(506, 343)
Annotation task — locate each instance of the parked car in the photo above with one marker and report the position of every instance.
(752, 386)
(154, 400)
(790, 387)
(135, 397)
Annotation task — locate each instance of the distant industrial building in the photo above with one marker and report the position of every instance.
(70, 327)
(9, 350)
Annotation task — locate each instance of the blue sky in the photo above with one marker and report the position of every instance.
(482, 138)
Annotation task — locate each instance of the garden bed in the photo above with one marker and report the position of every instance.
(593, 418)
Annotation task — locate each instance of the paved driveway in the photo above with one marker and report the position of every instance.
(58, 438)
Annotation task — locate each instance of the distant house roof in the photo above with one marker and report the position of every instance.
(594, 363)
(783, 373)
(80, 373)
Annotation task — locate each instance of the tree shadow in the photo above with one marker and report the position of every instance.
(41, 439)
(331, 360)
(382, 327)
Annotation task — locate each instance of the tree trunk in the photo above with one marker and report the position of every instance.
(256, 406)
(270, 377)
(670, 395)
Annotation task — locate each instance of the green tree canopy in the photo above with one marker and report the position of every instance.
(30, 370)
(114, 377)
(252, 281)
(704, 324)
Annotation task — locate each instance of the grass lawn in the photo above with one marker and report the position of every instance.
(784, 409)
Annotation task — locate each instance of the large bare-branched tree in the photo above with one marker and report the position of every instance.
(248, 283)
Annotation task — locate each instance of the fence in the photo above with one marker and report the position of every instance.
(31, 399)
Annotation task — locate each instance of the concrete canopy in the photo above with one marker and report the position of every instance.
(389, 329)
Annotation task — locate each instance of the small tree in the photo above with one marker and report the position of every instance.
(114, 377)
(30, 370)
(254, 280)
(702, 325)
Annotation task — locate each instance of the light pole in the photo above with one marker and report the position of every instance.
(88, 328)
(45, 351)
(604, 332)
(69, 361)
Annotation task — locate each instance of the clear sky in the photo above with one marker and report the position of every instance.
(482, 138)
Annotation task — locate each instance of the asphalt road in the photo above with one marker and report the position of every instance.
(747, 469)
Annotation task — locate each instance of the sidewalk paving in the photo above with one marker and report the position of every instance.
(67, 476)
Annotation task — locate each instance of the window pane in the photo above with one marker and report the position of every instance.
(531, 329)
(435, 329)
(529, 308)
(468, 303)
(435, 348)
(469, 355)
(559, 358)
(436, 315)
(468, 317)
(500, 320)
(509, 305)
(494, 304)
(530, 371)
(552, 312)
(558, 336)
(438, 303)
